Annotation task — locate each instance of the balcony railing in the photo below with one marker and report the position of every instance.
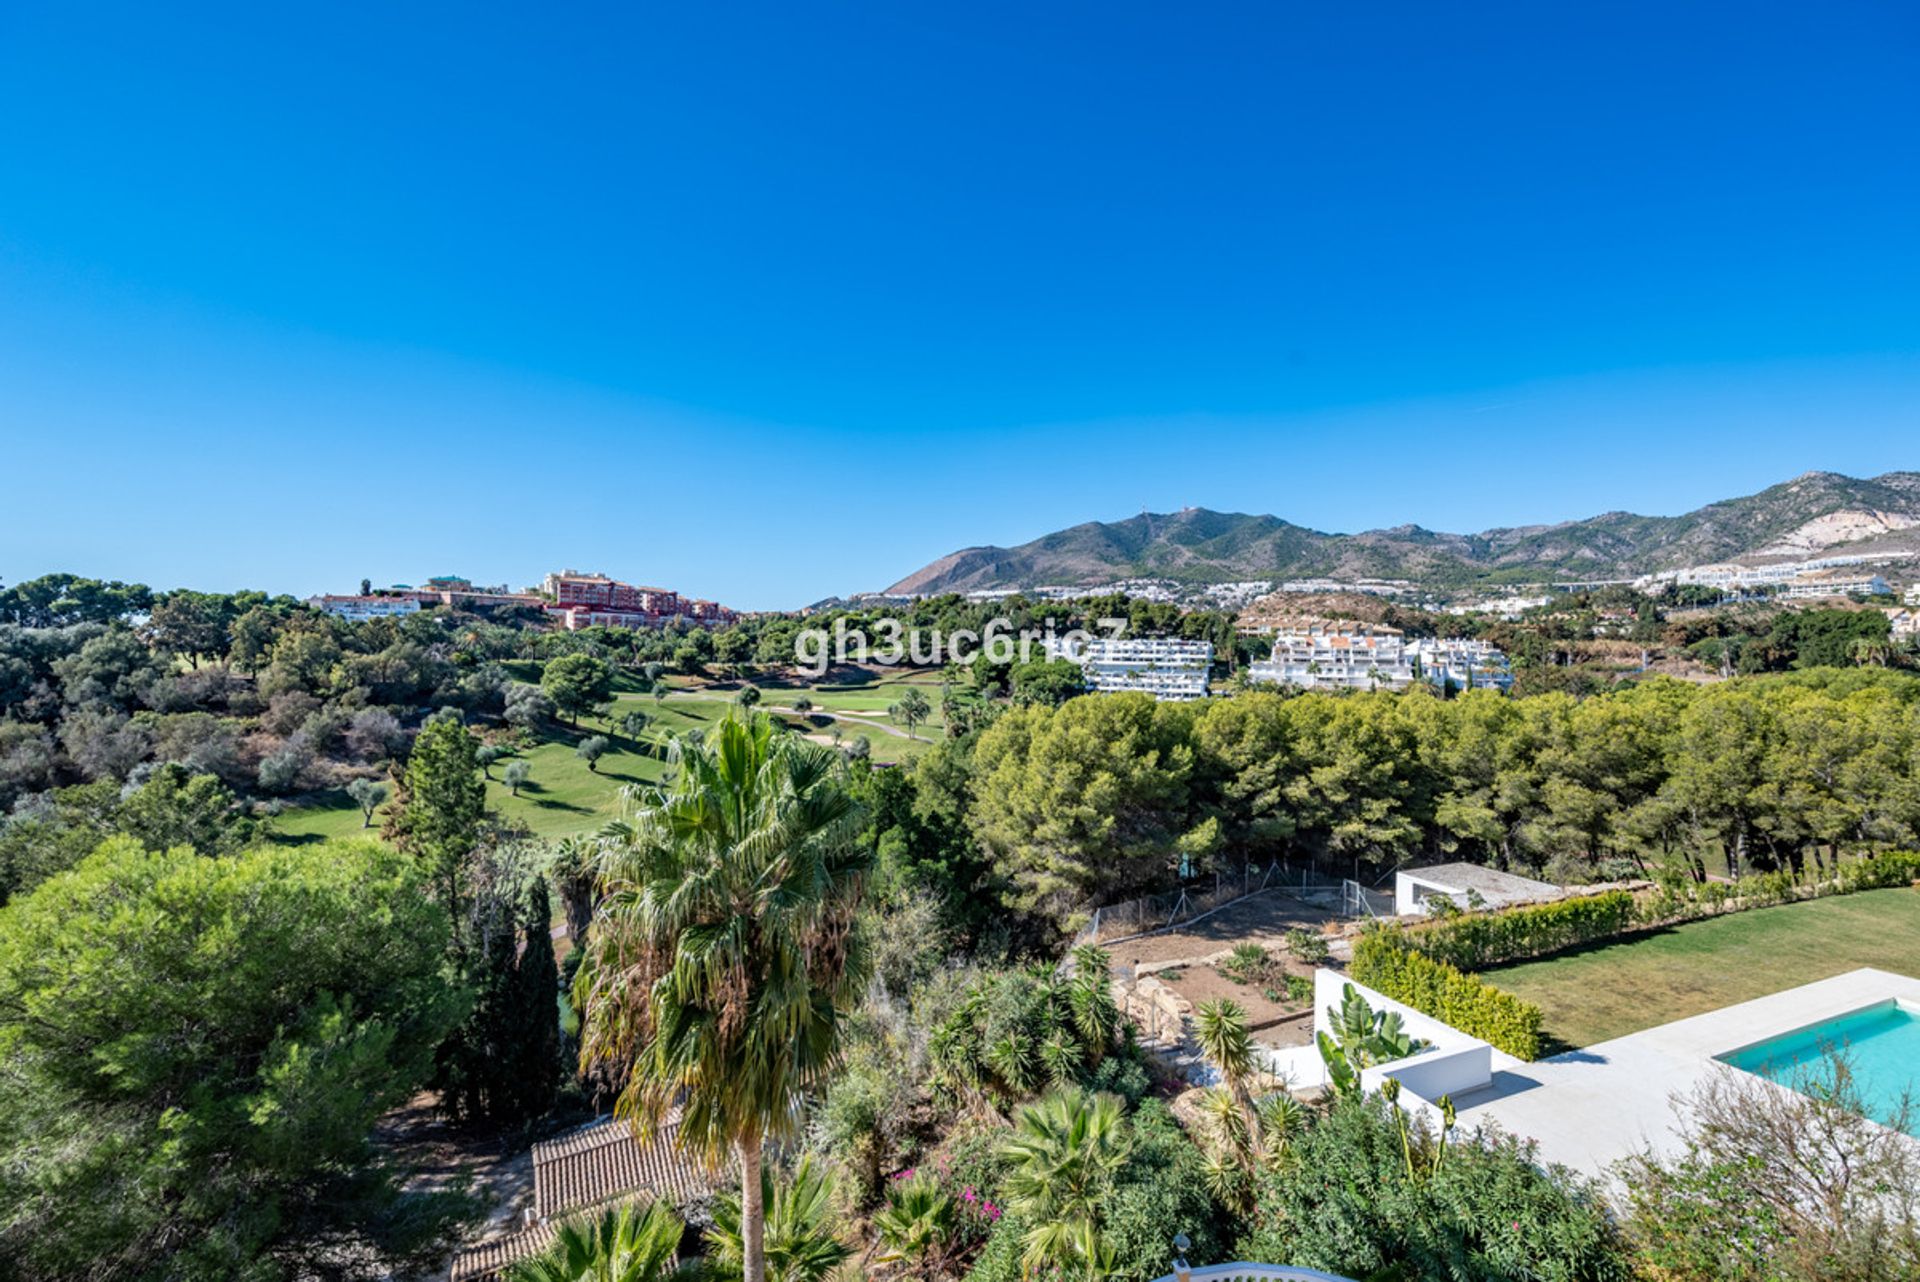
(1243, 1272)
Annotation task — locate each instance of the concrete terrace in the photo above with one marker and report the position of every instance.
(1591, 1108)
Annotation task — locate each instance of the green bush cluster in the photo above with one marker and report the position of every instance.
(1886, 870)
(1158, 1191)
(1881, 872)
(1356, 1199)
(1384, 962)
(1475, 941)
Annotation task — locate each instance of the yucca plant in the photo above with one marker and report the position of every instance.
(1096, 1018)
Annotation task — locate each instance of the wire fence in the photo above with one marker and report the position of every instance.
(1345, 898)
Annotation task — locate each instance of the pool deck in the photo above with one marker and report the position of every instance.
(1590, 1108)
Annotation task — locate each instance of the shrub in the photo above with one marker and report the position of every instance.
(1794, 1185)
(1384, 962)
(1475, 941)
(1346, 1201)
(1249, 964)
(1160, 1191)
(1880, 872)
(1309, 946)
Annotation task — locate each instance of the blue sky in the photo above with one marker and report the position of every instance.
(769, 302)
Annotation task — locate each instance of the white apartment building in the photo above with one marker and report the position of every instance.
(1165, 669)
(1821, 583)
(1508, 608)
(1464, 664)
(1317, 657)
(358, 609)
(1732, 576)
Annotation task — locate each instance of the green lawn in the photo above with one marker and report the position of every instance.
(1599, 993)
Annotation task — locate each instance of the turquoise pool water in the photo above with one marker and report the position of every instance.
(1882, 1043)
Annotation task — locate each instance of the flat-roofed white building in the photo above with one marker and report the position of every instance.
(1318, 657)
(1462, 663)
(1821, 583)
(1164, 668)
(358, 609)
(1466, 886)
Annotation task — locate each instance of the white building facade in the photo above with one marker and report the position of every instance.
(358, 609)
(1464, 664)
(1832, 583)
(1330, 658)
(1165, 669)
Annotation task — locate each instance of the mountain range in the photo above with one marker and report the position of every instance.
(1817, 514)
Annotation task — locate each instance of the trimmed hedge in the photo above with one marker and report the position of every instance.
(1479, 940)
(1881, 872)
(1384, 962)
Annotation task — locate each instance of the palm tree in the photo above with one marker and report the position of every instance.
(1065, 1150)
(724, 953)
(623, 1244)
(573, 869)
(800, 1242)
(913, 708)
(916, 1224)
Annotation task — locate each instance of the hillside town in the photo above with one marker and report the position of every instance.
(1121, 642)
(570, 599)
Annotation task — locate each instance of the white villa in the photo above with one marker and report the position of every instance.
(1361, 657)
(1588, 1109)
(1165, 669)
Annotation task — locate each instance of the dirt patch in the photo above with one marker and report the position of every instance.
(1263, 918)
(1267, 1017)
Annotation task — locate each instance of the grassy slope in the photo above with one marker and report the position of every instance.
(1599, 993)
(564, 797)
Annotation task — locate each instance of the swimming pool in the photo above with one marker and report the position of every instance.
(1882, 1043)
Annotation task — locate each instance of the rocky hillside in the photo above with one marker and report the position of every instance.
(1811, 515)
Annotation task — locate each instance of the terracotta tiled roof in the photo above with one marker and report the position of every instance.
(598, 1164)
(603, 1161)
(490, 1258)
